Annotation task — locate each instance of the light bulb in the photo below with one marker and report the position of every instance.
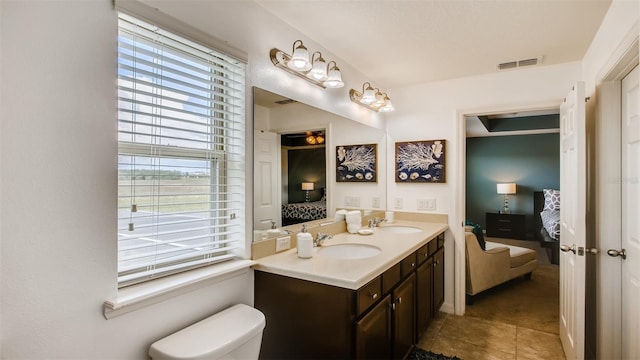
(300, 58)
(368, 97)
(334, 78)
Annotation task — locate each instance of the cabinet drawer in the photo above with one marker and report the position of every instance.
(369, 294)
(424, 252)
(390, 278)
(408, 264)
(440, 240)
(506, 225)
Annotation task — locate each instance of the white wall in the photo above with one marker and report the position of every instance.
(432, 111)
(58, 164)
(58, 178)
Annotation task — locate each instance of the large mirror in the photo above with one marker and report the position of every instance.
(296, 149)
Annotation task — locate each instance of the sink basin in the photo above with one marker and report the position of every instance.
(348, 251)
(400, 229)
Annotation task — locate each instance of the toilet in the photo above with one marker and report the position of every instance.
(234, 333)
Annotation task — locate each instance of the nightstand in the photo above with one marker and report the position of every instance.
(506, 225)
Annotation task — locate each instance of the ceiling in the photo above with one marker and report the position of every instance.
(540, 121)
(399, 43)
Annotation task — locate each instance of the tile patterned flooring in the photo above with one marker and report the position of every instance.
(518, 321)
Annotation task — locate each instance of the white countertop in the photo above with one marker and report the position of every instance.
(352, 273)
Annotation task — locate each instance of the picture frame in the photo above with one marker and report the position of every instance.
(357, 163)
(420, 161)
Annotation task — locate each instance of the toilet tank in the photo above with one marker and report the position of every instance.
(236, 330)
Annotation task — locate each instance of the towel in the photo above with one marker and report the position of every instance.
(354, 221)
(340, 215)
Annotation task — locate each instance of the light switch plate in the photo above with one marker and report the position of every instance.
(352, 201)
(375, 202)
(426, 204)
(430, 204)
(283, 243)
(397, 203)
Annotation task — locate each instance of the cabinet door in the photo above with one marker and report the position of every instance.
(424, 291)
(373, 332)
(403, 305)
(438, 279)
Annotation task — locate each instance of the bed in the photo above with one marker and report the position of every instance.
(546, 209)
(300, 212)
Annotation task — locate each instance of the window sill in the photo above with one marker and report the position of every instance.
(151, 292)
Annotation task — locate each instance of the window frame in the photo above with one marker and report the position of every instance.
(220, 157)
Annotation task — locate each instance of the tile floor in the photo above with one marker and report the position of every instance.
(517, 320)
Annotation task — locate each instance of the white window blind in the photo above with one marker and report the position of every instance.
(180, 153)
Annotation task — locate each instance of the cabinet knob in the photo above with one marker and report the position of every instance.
(374, 296)
(413, 264)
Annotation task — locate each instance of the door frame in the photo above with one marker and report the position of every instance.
(608, 193)
(460, 188)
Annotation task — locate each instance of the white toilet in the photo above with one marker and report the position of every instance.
(234, 333)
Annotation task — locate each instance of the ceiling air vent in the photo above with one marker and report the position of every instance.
(520, 63)
(285, 102)
(508, 65)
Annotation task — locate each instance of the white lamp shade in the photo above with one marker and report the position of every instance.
(507, 188)
(300, 59)
(307, 186)
(334, 79)
(319, 70)
(368, 97)
(388, 106)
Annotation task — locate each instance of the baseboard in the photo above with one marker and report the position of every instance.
(448, 308)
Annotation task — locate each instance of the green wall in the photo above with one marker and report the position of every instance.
(306, 165)
(530, 161)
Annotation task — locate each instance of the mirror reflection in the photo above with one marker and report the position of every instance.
(295, 164)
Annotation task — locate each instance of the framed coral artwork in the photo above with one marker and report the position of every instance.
(356, 163)
(420, 161)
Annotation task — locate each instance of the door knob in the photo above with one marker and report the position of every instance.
(566, 248)
(614, 253)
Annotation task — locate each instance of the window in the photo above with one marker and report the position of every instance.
(180, 153)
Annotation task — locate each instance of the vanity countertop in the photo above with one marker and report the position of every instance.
(352, 273)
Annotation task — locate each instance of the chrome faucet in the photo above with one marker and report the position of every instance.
(320, 237)
(375, 222)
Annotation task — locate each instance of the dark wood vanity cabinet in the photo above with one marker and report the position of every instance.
(424, 297)
(403, 312)
(373, 332)
(429, 283)
(381, 320)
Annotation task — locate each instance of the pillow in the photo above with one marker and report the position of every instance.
(324, 195)
(551, 199)
(551, 223)
(477, 231)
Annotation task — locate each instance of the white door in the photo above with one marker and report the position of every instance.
(266, 180)
(630, 259)
(572, 222)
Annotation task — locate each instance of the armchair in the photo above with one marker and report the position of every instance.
(497, 264)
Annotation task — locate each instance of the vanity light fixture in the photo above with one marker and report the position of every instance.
(315, 70)
(372, 99)
(314, 139)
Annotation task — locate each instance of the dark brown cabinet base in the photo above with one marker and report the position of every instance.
(510, 226)
(381, 320)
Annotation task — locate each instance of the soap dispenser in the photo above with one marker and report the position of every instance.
(305, 243)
